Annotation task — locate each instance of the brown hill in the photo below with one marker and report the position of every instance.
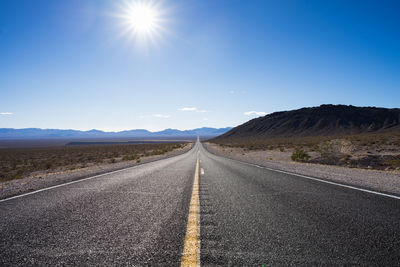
(325, 120)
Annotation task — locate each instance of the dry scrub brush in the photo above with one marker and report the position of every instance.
(16, 163)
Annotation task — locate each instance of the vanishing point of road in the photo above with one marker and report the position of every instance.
(198, 209)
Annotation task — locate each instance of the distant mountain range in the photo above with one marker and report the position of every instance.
(325, 120)
(36, 133)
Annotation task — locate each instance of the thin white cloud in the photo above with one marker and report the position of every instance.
(193, 109)
(161, 116)
(188, 109)
(205, 119)
(6, 113)
(255, 113)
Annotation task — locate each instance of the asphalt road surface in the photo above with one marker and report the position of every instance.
(247, 216)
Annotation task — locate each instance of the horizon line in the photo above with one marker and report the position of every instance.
(118, 131)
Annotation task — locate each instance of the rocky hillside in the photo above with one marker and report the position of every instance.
(325, 120)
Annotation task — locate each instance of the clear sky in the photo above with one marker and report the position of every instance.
(79, 64)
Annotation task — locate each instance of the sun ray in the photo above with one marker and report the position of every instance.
(141, 21)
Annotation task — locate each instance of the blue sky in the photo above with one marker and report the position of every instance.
(67, 64)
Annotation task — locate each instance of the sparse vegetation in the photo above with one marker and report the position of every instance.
(300, 155)
(374, 150)
(395, 161)
(16, 163)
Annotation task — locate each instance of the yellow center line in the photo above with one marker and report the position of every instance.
(191, 247)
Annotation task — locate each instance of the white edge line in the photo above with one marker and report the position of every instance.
(68, 183)
(81, 180)
(338, 184)
(315, 179)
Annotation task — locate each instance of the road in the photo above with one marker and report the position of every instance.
(199, 209)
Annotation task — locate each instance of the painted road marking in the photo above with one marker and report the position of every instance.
(83, 179)
(318, 179)
(68, 183)
(337, 184)
(191, 247)
(202, 171)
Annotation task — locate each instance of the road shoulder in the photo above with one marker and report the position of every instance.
(382, 181)
(33, 183)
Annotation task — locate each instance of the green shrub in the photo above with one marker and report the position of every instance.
(128, 157)
(300, 155)
(395, 162)
(49, 165)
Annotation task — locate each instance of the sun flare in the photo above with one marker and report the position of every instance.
(141, 20)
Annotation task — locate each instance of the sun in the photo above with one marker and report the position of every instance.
(141, 20)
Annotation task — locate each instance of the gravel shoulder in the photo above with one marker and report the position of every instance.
(44, 179)
(382, 181)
